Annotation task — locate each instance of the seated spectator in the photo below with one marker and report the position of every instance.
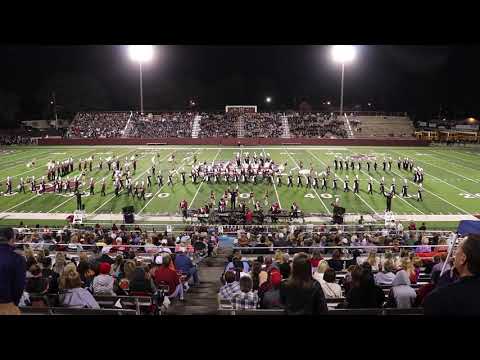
(60, 263)
(50, 275)
(316, 258)
(258, 275)
(166, 276)
(284, 267)
(271, 298)
(386, 275)
(184, 264)
(461, 297)
(125, 275)
(424, 248)
(74, 295)
(141, 282)
(238, 263)
(364, 293)
(36, 283)
(246, 298)
(231, 287)
(322, 267)
(301, 294)
(329, 286)
(401, 295)
(103, 283)
(439, 266)
(335, 262)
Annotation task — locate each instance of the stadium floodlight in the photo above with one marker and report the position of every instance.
(268, 100)
(140, 54)
(343, 54)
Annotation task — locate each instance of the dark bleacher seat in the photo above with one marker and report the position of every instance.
(28, 310)
(33, 310)
(73, 311)
(137, 303)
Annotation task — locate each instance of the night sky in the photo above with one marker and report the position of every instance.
(416, 79)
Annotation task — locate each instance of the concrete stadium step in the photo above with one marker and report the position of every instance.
(201, 299)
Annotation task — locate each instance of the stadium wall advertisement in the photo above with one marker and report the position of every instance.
(236, 141)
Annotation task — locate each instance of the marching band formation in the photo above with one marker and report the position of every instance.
(244, 168)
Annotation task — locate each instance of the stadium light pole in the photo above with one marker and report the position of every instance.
(141, 54)
(343, 54)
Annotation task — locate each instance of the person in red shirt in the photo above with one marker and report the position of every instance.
(249, 216)
(412, 226)
(166, 276)
(184, 208)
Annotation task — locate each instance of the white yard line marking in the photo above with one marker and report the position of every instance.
(325, 164)
(23, 202)
(274, 186)
(196, 193)
(318, 196)
(138, 177)
(450, 159)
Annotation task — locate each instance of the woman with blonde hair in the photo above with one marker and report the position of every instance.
(373, 261)
(321, 268)
(74, 295)
(60, 263)
(124, 283)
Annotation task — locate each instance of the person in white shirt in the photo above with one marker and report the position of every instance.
(321, 268)
(329, 286)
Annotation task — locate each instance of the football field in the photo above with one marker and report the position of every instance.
(451, 179)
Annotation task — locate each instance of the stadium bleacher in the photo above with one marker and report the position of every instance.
(96, 245)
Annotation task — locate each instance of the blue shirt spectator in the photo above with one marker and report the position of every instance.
(12, 269)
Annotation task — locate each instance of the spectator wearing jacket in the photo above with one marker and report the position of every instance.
(461, 297)
(74, 296)
(103, 283)
(12, 274)
(401, 296)
(184, 264)
(301, 294)
(386, 276)
(166, 276)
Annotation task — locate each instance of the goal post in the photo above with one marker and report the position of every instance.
(241, 108)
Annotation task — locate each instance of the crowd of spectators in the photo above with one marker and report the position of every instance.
(355, 281)
(15, 140)
(99, 124)
(177, 124)
(267, 125)
(219, 124)
(316, 125)
(80, 264)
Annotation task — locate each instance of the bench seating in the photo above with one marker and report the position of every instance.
(27, 310)
(337, 312)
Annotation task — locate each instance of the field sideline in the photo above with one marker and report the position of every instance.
(452, 179)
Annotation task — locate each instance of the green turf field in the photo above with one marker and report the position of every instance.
(452, 179)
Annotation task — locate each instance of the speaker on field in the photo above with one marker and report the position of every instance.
(128, 210)
(129, 218)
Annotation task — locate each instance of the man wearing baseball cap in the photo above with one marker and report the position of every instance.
(271, 298)
(12, 274)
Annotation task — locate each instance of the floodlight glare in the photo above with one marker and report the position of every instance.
(140, 53)
(343, 53)
(268, 99)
